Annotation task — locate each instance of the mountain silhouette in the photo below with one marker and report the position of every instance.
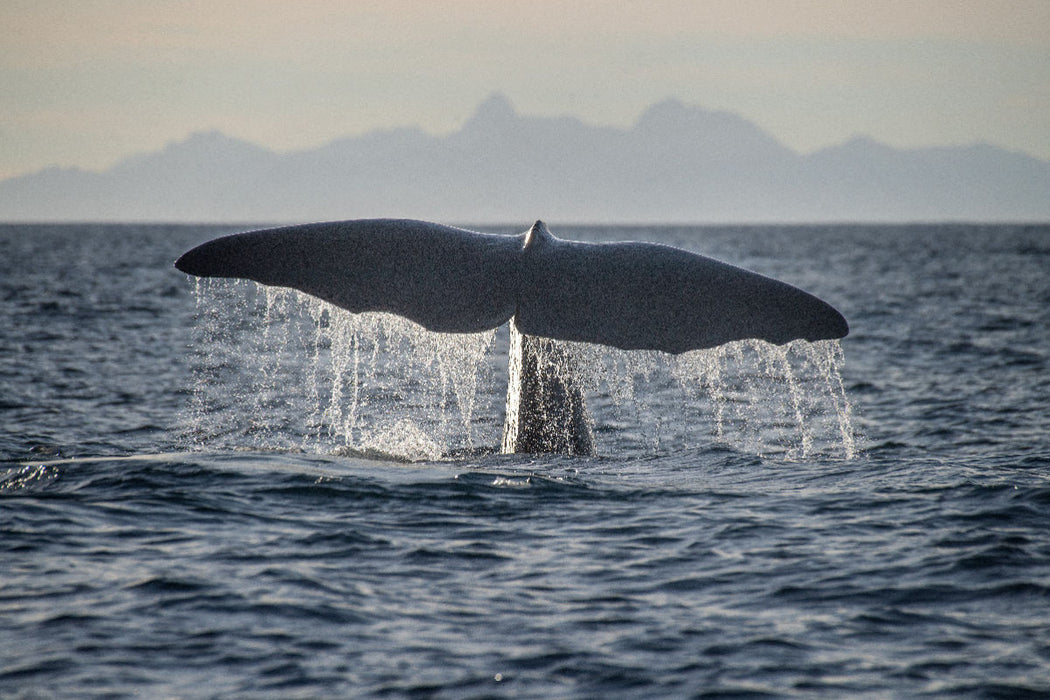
(677, 163)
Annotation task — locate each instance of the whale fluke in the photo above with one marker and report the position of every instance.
(443, 278)
(646, 296)
(627, 295)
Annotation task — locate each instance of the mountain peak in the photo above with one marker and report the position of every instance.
(671, 108)
(200, 147)
(672, 114)
(720, 134)
(210, 141)
(495, 109)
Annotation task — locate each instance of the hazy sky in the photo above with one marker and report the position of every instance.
(87, 83)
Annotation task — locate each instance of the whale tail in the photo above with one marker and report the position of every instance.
(626, 295)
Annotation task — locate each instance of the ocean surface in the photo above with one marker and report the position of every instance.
(209, 489)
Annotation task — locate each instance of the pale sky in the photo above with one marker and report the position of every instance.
(90, 82)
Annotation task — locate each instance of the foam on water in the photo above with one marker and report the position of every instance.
(276, 368)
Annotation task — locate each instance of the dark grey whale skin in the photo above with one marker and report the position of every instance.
(630, 295)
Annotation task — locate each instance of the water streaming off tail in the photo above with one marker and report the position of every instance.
(279, 369)
(276, 369)
(750, 395)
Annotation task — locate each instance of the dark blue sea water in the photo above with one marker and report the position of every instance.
(207, 490)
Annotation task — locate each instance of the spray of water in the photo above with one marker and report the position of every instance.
(277, 369)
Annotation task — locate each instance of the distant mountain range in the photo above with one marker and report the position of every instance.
(677, 163)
